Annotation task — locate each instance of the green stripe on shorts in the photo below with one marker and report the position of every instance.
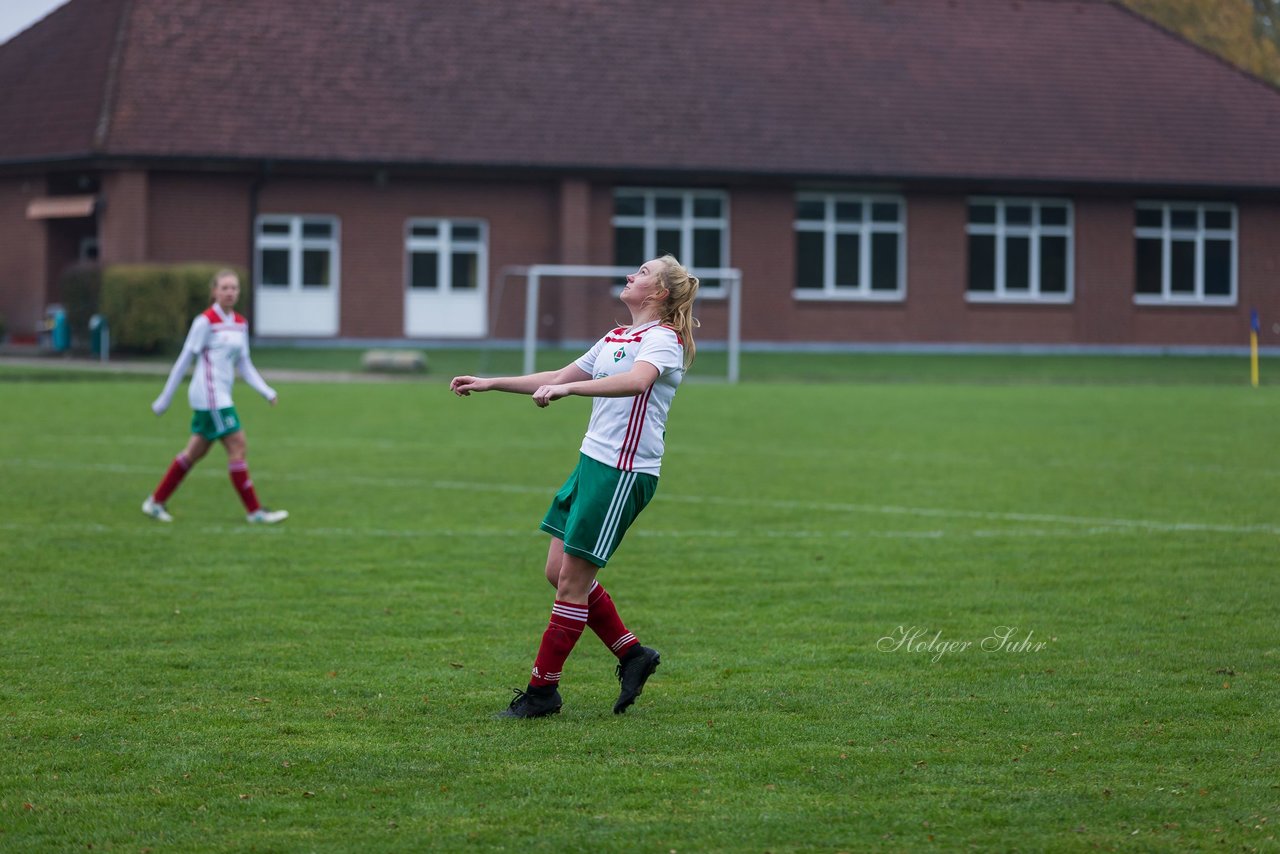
(595, 507)
(215, 423)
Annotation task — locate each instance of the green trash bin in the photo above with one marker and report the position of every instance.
(59, 331)
(99, 336)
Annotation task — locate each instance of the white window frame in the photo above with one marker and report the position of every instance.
(295, 243)
(1167, 234)
(685, 223)
(444, 244)
(829, 227)
(1002, 230)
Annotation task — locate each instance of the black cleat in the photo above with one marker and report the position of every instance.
(633, 672)
(530, 705)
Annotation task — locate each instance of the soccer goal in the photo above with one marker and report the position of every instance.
(731, 276)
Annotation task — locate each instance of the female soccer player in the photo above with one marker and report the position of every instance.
(219, 338)
(632, 372)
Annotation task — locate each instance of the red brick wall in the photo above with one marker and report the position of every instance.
(199, 218)
(1259, 258)
(522, 230)
(1104, 271)
(936, 274)
(22, 257)
(1259, 273)
(205, 217)
(122, 224)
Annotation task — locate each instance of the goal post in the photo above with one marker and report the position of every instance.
(731, 276)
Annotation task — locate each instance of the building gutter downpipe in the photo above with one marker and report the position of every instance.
(255, 192)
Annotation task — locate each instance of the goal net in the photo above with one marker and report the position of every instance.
(730, 277)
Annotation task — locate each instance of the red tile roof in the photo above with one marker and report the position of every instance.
(53, 81)
(1016, 90)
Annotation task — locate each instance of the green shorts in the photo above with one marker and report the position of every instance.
(215, 423)
(595, 507)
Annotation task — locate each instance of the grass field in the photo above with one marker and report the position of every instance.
(329, 684)
(983, 369)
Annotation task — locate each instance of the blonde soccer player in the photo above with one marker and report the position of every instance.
(219, 343)
(632, 374)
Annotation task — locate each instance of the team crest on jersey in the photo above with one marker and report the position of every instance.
(619, 354)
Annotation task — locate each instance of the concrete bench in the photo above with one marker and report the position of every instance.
(395, 361)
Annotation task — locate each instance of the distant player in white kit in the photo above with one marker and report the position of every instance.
(219, 340)
(632, 372)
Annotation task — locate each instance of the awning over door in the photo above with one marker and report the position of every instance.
(61, 207)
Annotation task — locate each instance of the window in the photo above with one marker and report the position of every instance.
(1184, 253)
(297, 253)
(1020, 250)
(446, 256)
(849, 246)
(692, 225)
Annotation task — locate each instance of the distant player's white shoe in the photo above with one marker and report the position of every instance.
(156, 511)
(262, 516)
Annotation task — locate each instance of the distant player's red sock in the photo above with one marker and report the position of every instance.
(603, 619)
(177, 471)
(239, 471)
(566, 625)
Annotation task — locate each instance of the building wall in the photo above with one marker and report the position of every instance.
(199, 218)
(123, 222)
(173, 217)
(1104, 271)
(23, 255)
(522, 230)
(1259, 273)
(1259, 259)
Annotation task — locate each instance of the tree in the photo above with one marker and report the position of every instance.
(1268, 15)
(1246, 33)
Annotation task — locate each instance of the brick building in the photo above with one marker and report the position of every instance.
(882, 171)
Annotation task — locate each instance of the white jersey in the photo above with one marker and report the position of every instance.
(628, 432)
(220, 344)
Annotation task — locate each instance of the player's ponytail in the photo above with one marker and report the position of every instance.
(677, 309)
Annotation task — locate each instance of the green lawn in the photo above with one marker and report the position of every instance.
(329, 684)
(980, 368)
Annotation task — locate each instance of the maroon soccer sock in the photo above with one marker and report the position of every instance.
(177, 471)
(240, 479)
(603, 619)
(567, 622)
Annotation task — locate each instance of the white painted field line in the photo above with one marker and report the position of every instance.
(296, 528)
(778, 504)
(703, 452)
(986, 515)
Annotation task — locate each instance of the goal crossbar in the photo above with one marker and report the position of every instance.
(731, 276)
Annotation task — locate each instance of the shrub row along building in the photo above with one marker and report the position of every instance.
(881, 171)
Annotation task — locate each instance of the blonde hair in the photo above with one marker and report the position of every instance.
(224, 273)
(676, 310)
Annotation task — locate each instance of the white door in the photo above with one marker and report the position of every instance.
(296, 270)
(446, 279)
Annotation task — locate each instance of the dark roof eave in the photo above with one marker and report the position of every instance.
(640, 174)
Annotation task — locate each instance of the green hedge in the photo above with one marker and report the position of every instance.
(81, 289)
(150, 306)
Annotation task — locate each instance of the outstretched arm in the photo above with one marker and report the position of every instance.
(629, 384)
(253, 378)
(193, 345)
(527, 384)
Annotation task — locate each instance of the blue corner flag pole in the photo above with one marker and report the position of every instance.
(1253, 347)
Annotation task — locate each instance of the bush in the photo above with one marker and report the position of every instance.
(81, 288)
(150, 306)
